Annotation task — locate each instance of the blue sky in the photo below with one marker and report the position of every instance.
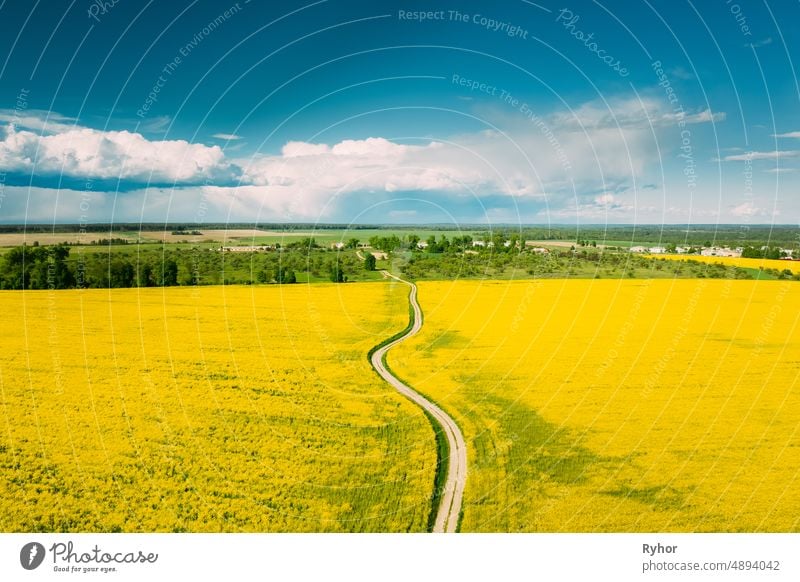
(346, 111)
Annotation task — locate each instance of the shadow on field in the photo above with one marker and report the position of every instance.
(530, 457)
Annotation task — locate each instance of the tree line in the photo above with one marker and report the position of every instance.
(62, 267)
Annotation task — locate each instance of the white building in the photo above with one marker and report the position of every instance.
(638, 249)
(657, 250)
(720, 252)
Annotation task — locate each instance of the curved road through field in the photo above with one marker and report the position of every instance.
(453, 493)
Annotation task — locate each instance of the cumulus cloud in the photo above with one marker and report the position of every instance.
(533, 158)
(792, 134)
(89, 153)
(306, 177)
(297, 149)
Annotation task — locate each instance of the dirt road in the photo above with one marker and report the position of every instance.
(453, 492)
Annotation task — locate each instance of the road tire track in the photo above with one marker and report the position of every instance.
(452, 494)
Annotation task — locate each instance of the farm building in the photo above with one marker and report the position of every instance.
(720, 252)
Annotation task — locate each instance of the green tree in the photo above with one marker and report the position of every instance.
(773, 253)
(369, 262)
(40, 268)
(433, 247)
(121, 273)
(336, 271)
(63, 276)
(169, 273)
(285, 275)
(144, 276)
(15, 269)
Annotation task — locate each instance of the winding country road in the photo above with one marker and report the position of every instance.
(453, 493)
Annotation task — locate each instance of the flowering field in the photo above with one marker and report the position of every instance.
(207, 409)
(793, 266)
(635, 405)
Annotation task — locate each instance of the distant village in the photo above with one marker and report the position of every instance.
(714, 251)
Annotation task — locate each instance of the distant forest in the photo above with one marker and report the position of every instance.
(787, 236)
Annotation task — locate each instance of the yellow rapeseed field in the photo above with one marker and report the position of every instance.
(207, 409)
(793, 266)
(635, 405)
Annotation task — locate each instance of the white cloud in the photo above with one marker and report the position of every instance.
(536, 158)
(760, 43)
(629, 114)
(681, 73)
(606, 199)
(37, 120)
(89, 153)
(159, 124)
(703, 116)
(296, 149)
(773, 155)
(746, 210)
(227, 136)
(794, 134)
(307, 177)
